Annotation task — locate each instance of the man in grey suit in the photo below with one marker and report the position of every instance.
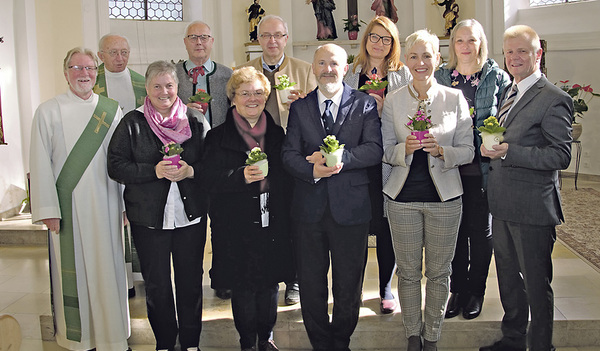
(523, 193)
(331, 208)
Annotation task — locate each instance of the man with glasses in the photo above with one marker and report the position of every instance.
(273, 37)
(200, 72)
(122, 84)
(81, 206)
(115, 80)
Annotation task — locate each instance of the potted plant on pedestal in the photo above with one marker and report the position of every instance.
(352, 26)
(579, 94)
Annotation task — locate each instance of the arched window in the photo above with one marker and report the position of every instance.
(152, 10)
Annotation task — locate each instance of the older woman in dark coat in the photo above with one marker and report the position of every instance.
(249, 212)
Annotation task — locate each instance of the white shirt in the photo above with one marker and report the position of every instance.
(335, 99)
(119, 88)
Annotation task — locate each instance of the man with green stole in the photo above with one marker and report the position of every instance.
(82, 207)
(118, 82)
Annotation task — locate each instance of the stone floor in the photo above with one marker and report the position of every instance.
(24, 293)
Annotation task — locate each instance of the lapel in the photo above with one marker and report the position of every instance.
(232, 140)
(344, 109)
(525, 99)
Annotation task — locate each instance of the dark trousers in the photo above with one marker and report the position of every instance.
(473, 253)
(316, 244)
(185, 246)
(254, 313)
(525, 249)
(386, 261)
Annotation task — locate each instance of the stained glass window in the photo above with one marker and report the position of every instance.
(153, 10)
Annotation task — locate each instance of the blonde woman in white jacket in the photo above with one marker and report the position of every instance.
(423, 193)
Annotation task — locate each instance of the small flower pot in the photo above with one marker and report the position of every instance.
(284, 95)
(379, 92)
(334, 158)
(204, 107)
(491, 139)
(353, 35)
(263, 165)
(174, 160)
(420, 134)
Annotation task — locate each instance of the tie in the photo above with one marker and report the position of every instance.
(327, 117)
(507, 104)
(195, 72)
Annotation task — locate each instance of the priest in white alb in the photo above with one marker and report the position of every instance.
(81, 206)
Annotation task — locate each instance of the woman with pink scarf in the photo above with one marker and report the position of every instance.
(165, 204)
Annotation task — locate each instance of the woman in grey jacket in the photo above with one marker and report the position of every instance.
(482, 83)
(380, 54)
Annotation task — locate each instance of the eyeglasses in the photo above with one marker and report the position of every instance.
(114, 53)
(194, 38)
(247, 94)
(268, 36)
(87, 68)
(375, 38)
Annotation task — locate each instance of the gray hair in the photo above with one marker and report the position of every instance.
(185, 33)
(158, 68)
(106, 36)
(275, 17)
(78, 50)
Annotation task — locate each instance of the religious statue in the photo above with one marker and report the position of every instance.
(324, 14)
(385, 8)
(450, 13)
(255, 14)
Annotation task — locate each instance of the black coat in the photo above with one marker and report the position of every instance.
(133, 152)
(244, 253)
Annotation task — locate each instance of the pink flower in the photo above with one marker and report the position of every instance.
(564, 81)
(588, 89)
(454, 73)
(575, 86)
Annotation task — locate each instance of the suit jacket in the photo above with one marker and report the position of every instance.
(523, 187)
(358, 127)
(298, 71)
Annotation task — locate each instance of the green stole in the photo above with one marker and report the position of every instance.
(77, 162)
(137, 82)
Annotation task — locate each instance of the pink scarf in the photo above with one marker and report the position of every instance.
(174, 128)
(253, 136)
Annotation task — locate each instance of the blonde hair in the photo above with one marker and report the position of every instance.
(392, 59)
(423, 36)
(247, 74)
(78, 50)
(478, 32)
(526, 32)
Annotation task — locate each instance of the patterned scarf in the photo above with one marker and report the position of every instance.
(253, 136)
(174, 128)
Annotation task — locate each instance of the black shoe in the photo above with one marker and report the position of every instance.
(292, 293)
(268, 345)
(454, 305)
(473, 308)
(414, 343)
(500, 346)
(223, 294)
(131, 293)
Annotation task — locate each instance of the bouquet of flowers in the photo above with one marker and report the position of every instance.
(332, 150)
(284, 82)
(257, 157)
(201, 97)
(374, 84)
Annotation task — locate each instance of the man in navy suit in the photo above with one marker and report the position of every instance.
(523, 193)
(331, 207)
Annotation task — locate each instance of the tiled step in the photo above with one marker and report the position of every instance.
(19, 231)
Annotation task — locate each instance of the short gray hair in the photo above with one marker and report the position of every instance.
(423, 36)
(158, 68)
(78, 50)
(193, 24)
(106, 36)
(275, 17)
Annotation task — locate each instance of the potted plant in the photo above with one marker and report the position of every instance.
(579, 94)
(203, 98)
(491, 132)
(258, 158)
(283, 88)
(332, 150)
(420, 123)
(171, 152)
(352, 26)
(374, 85)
